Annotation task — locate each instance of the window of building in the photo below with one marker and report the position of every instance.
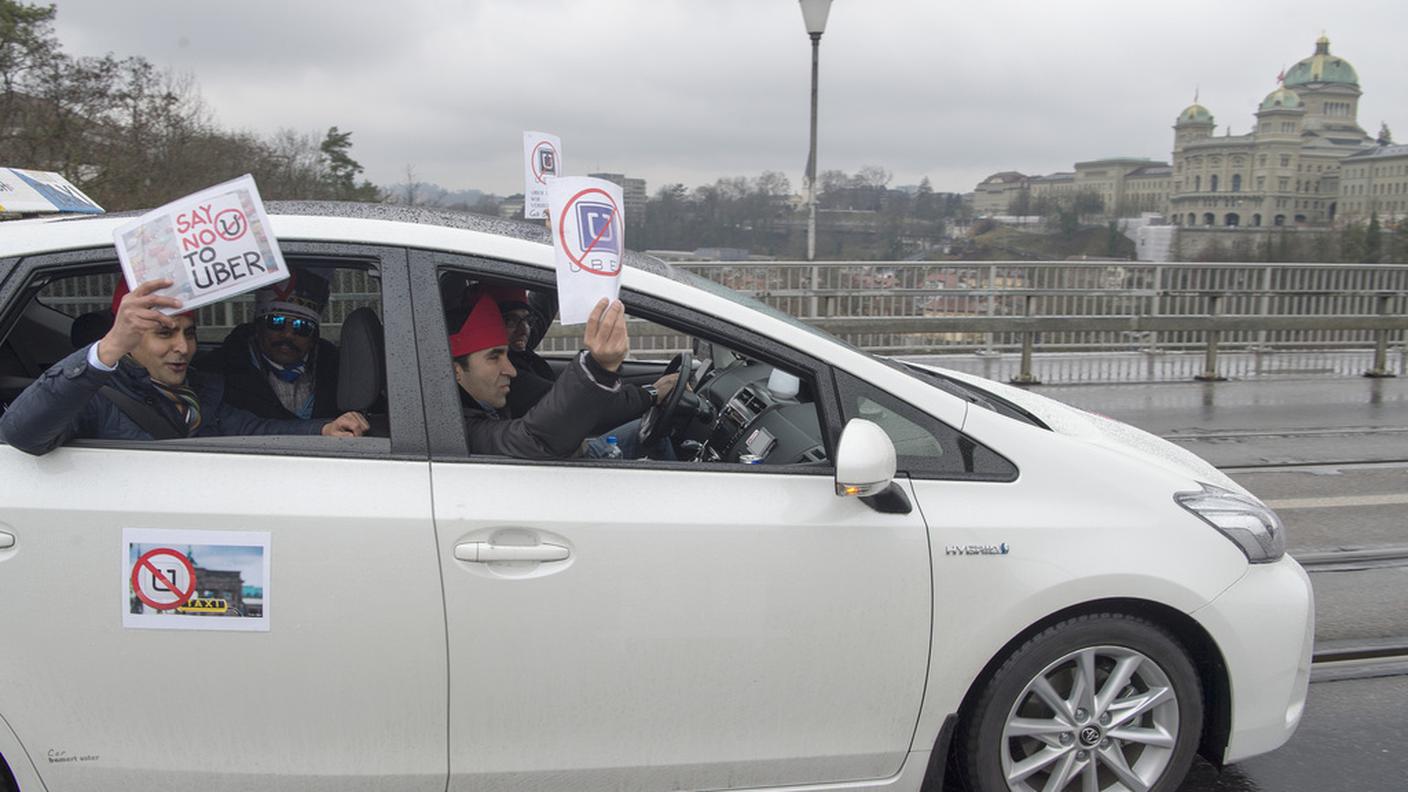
(1283, 183)
(1212, 183)
(1261, 183)
(1197, 184)
(1236, 182)
(1285, 160)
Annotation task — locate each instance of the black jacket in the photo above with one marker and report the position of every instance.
(64, 403)
(584, 396)
(247, 384)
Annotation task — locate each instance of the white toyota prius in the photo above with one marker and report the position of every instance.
(859, 574)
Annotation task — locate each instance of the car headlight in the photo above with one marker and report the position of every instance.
(1243, 519)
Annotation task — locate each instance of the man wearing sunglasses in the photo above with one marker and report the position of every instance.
(277, 366)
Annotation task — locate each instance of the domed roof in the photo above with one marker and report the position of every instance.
(1195, 114)
(1322, 67)
(1282, 98)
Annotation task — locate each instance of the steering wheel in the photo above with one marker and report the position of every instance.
(655, 424)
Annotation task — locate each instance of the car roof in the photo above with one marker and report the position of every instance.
(519, 240)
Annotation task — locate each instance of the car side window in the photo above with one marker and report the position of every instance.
(925, 447)
(311, 352)
(741, 407)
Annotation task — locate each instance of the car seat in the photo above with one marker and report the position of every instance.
(361, 373)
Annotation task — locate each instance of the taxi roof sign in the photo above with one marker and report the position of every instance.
(30, 192)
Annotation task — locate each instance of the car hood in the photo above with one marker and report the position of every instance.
(1100, 431)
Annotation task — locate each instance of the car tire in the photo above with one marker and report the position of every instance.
(1107, 694)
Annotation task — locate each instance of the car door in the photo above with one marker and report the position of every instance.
(670, 626)
(344, 688)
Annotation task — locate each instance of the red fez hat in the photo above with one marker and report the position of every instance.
(482, 329)
(122, 290)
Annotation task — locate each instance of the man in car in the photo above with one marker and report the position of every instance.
(277, 366)
(135, 383)
(585, 395)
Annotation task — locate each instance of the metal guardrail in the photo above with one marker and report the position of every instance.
(910, 308)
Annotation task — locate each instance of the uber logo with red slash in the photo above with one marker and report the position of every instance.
(595, 230)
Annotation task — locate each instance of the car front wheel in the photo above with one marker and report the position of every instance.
(1099, 703)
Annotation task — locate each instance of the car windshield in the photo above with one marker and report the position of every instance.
(700, 282)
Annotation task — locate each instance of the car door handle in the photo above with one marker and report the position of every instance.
(6, 540)
(484, 552)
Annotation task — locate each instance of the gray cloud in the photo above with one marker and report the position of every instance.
(690, 91)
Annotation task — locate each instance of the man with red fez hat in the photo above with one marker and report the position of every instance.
(136, 384)
(584, 395)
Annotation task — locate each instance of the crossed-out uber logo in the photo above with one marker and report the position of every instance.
(598, 242)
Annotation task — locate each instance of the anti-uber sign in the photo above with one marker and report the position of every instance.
(589, 241)
(213, 245)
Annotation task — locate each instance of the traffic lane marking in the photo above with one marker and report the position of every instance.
(1338, 501)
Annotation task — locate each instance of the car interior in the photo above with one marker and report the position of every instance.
(737, 408)
(68, 311)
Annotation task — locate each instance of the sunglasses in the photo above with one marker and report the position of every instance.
(279, 323)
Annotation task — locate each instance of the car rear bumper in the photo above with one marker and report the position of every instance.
(1264, 624)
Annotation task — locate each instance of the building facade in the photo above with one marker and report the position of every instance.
(1286, 171)
(1305, 163)
(1374, 182)
(632, 193)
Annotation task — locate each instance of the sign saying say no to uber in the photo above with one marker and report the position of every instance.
(214, 244)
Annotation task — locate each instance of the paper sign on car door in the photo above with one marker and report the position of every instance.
(589, 240)
(214, 245)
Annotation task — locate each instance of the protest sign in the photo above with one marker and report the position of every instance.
(542, 160)
(26, 191)
(214, 245)
(196, 580)
(589, 242)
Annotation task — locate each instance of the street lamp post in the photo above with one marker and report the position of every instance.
(814, 14)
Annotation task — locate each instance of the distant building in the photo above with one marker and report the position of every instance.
(1286, 171)
(995, 193)
(632, 192)
(1374, 181)
(1306, 163)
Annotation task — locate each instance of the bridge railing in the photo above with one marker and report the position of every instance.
(922, 308)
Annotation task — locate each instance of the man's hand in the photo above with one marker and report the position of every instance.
(136, 314)
(349, 424)
(664, 385)
(605, 336)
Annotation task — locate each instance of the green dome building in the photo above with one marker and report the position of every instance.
(1286, 170)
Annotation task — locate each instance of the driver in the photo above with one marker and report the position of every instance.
(586, 395)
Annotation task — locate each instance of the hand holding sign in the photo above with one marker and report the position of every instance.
(588, 234)
(136, 314)
(605, 337)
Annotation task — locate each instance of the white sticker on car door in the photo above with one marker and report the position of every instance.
(195, 580)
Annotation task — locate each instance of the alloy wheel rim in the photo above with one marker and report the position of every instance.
(1099, 719)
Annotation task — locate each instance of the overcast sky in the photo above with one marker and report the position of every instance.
(692, 90)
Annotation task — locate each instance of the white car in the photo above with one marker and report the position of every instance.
(925, 573)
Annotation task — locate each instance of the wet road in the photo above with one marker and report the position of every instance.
(1331, 457)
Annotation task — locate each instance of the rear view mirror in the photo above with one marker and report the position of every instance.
(865, 460)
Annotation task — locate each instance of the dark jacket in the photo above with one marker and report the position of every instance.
(247, 384)
(64, 403)
(529, 387)
(583, 396)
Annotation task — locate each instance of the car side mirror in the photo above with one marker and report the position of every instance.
(865, 460)
(865, 468)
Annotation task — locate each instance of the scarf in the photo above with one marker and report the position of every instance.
(186, 401)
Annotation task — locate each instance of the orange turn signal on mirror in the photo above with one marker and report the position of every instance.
(847, 489)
